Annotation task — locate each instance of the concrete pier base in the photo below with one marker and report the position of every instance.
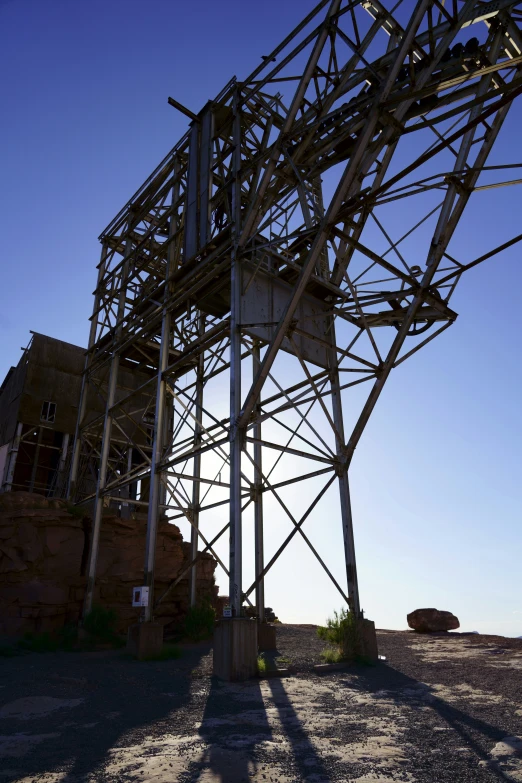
(145, 640)
(368, 640)
(235, 649)
(266, 637)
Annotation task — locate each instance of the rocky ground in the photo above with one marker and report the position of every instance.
(440, 708)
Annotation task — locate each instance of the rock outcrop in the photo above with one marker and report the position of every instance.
(43, 562)
(432, 620)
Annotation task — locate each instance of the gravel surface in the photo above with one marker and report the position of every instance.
(441, 708)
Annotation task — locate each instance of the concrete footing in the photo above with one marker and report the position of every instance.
(145, 640)
(368, 639)
(266, 637)
(235, 649)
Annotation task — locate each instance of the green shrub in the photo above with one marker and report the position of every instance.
(200, 620)
(331, 655)
(100, 624)
(342, 632)
(67, 637)
(169, 652)
(7, 651)
(39, 642)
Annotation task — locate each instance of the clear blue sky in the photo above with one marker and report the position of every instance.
(436, 480)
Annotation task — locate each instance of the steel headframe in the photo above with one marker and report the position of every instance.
(293, 245)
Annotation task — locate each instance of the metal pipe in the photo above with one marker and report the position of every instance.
(236, 434)
(342, 474)
(155, 474)
(35, 459)
(13, 453)
(159, 424)
(60, 479)
(71, 488)
(102, 477)
(107, 429)
(258, 504)
(196, 486)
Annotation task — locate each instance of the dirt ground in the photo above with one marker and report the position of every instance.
(440, 708)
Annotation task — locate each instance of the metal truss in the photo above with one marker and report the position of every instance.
(288, 253)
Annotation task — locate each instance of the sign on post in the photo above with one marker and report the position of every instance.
(140, 596)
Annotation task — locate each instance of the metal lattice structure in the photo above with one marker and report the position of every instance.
(288, 253)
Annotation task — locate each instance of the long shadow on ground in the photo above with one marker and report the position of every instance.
(385, 682)
(123, 701)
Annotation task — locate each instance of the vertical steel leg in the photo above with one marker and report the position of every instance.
(258, 505)
(344, 488)
(236, 557)
(36, 458)
(126, 507)
(200, 375)
(9, 476)
(107, 424)
(61, 477)
(162, 421)
(73, 477)
(102, 477)
(235, 446)
(155, 475)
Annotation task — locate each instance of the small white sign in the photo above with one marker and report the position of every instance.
(227, 611)
(140, 596)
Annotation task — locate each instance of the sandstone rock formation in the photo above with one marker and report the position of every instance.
(431, 620)
(43, 561)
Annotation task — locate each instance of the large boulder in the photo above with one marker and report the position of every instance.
(432, 620)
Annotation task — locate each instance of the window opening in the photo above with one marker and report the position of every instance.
(48, 413)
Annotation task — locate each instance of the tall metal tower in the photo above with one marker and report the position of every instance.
(288, 253)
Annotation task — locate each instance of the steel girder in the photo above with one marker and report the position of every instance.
(293, 246)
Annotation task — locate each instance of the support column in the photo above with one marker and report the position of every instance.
(107, 422)
(258, 504)
(344, 487)
(36, 458)
(73, 476)
(102, 477)
(160, 419)
(13, 453)
(196, 486)
(126, 507)
(61, 477)
(235, 590)
(155, 474)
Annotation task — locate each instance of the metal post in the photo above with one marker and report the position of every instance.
(200, 375)
(60, 479)
(235, 382)
(155, 474)
(107, 423)
(126, 507)
(344, 488)
(71, 488)
(102, 476)
(9, 478)
(258, 504)
(160, 421)
(36, 458)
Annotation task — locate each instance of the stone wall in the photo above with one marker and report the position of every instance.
(43, 561)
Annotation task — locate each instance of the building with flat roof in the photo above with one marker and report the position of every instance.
(38, 412)
(39, 401)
